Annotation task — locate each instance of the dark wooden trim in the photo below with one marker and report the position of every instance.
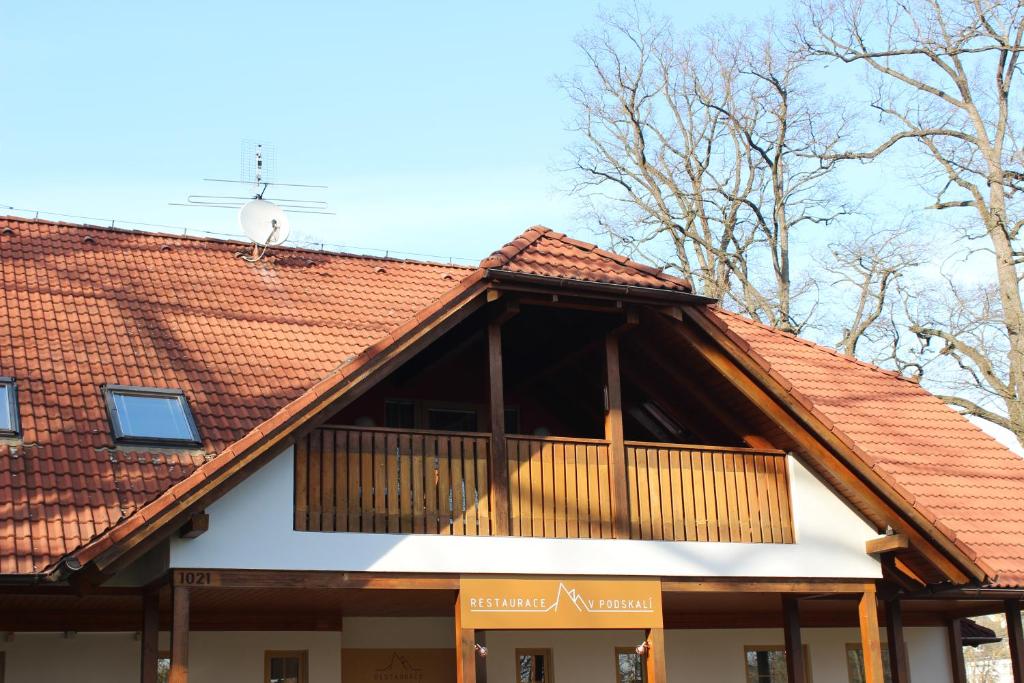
(819, 442)
(498, 463)
(481, 669)
(1015, 638)
(795, 663)
(197, 525)
(271, 578)
(655, 660)
(765, 585)
(149, 645)
(179, 635)
(870, 637)
(613, 432)
(898, 664)
(956, 651)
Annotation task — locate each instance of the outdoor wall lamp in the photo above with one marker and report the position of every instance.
(480, 649)
(643, 648)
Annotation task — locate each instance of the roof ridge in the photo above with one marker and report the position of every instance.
(210, 239)
(534, 234)
(518, 245)
(815, 345)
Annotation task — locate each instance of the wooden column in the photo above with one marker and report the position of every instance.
(898, 665)
(796, 667)
(465, 650)
(498, 461)
(1015, 636)
(870, 638)
(956, 651)
(654, 662)
(150, 645)
(481, 667)
(613, 432)
(179, 634)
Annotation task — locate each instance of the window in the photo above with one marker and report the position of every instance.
(163, 667)
(285, 667)
(534, 666)
(150, 415)
(451, 420)
(767, 664)
(629, 666)
(8, 407)
(400, 414)
(511, 420)
(855, 662)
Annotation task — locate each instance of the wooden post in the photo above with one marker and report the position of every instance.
(481, 668)
(150, 647)
(179, 634)
(956, 651)
(898, 665)
(870, 639)
(613, 433)
(654, 662)
(796, 667)
(465, 650)
(1015, 636)
(498, 462)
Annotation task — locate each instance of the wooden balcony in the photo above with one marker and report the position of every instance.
(422, 482)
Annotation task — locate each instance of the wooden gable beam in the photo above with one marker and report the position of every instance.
(820, 443)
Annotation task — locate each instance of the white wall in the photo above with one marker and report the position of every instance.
(258, 515)
(694, 656)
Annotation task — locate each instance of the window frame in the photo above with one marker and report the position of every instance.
(109, 390)
(628, 651)
(12, 408)
(549, 659)
(301, 655)
(778, 648)
(854, 647)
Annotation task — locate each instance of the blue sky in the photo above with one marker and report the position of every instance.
(437, 126)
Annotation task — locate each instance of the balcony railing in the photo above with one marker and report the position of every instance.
(423, 482)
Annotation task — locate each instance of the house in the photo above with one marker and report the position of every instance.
(559, 464)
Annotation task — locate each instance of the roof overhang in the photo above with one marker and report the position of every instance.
(505, 279)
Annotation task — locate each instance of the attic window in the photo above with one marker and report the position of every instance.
(8, 407)
(150, 415)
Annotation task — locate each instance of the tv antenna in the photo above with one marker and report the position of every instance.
(263, 221)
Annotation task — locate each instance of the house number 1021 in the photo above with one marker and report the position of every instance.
(194, 578)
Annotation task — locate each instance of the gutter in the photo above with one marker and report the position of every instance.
(548, 282)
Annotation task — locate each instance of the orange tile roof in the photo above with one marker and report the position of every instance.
(543, 252)
(948, 468)
(84, 306)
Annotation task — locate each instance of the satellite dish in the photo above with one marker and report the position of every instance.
(263, 222)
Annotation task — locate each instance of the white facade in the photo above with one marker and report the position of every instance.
(704, 656)
(259, 514)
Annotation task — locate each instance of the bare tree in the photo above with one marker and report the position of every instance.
(942, 74)
(867, 268)
(710, 144)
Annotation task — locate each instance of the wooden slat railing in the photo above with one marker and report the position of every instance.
(392, 481)
(559, 488)
(424, 482)
(701, 493)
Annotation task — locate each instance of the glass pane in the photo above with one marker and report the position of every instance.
(153, 417)
(163, 669)
(766, 666)
(855, 663)
(5, 408)
(285, 670)
(526, 669)
(631, 667)
(451, 420)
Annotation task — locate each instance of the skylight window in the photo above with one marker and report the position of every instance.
(8, 407)
(147, 415)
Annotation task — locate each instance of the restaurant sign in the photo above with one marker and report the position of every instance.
(559, 603)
